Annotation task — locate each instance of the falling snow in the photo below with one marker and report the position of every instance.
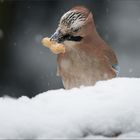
(38, 38)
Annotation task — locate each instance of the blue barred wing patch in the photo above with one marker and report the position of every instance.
(116, 68)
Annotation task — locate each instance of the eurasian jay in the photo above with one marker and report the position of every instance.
(88, 58)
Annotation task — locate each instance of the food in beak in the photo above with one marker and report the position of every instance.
(55, 47)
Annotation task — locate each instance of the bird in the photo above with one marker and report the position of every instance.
(88, 58)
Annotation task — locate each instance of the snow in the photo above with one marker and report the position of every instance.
(108, 109)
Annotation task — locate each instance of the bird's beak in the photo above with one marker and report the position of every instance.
(57, 36)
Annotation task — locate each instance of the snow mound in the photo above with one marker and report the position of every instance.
(108, 109)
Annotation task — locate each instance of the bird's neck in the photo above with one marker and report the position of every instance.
(92, 36)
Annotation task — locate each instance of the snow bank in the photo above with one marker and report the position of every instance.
(109, 109)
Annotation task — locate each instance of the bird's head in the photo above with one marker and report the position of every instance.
(74, 26)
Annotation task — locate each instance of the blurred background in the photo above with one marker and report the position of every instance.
(28, 68)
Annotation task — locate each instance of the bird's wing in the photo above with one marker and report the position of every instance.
(112, 59)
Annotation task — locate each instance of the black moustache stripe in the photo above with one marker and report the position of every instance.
(75, 38)
(70, 38)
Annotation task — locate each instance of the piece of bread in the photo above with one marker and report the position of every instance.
(55, 47)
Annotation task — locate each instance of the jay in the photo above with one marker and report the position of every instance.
(87, 58)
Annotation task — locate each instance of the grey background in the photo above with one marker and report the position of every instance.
(28, 68)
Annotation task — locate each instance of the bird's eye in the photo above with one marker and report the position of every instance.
(76, 30)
